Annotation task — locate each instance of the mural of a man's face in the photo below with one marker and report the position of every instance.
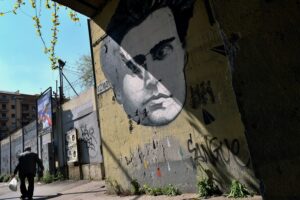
(151, 83)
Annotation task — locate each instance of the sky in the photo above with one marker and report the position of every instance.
(23, 64)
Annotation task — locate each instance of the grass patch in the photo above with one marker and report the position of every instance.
(4, 178)
(114, 186)
(238, 190)
(49, 178)
(207, 188)
(169, 190)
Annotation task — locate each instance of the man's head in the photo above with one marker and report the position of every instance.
(144, 59)
(131, 13)
(27, 149)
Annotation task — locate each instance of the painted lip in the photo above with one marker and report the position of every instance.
(156, 99)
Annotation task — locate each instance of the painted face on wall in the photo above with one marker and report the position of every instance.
(151, 82)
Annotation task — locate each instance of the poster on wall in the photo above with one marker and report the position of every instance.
(148, 79)
(72, 149)
(44, 109)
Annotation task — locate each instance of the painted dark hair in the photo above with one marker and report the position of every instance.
(131, 13)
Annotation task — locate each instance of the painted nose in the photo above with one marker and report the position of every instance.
(150, 81)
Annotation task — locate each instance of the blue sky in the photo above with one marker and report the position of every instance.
(23, 64)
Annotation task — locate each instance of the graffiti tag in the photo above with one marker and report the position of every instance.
(87, 136)
(213, 150)
(201, 94)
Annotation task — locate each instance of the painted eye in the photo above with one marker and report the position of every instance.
(162, 52)
(140, 59)
(133, 67)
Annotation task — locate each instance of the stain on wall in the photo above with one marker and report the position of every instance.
(5, 156)
(16, 148)
(29, 132)
(161, 162)
(30, 139)
(205, 138)
(80, 113)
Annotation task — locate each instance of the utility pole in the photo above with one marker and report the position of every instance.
(59, 119)
(61, 64)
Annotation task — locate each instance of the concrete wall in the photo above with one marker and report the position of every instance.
(265, 63)
(5, 156)
(205, 136)
(16, 147)
(13, 145)
(30, 137)
(80, 113)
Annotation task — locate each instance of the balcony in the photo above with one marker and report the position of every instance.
(4, 100)
(3, 110)
(25, 111)
(3, 118)
(3, 128)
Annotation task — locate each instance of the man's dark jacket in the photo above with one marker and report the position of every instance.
(27, 163)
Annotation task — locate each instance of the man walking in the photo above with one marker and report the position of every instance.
(27, 169)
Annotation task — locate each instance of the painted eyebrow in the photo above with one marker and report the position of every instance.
(161, 43)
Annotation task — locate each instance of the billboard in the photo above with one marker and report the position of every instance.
(44, 112)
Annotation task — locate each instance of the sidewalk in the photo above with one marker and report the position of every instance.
(88, 190)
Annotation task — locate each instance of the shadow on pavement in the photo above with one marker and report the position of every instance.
(56, 195)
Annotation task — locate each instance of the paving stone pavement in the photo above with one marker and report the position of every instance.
(88, 190)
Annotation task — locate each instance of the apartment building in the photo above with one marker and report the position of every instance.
(16, 110)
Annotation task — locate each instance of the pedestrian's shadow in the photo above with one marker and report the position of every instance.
(47, 197)
(60, 194)
(56, 195)
(37, 197)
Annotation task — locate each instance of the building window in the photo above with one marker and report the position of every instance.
(13, 115)
(25, 107)
(33, 108)
(13, 106)
(25, 116)
(3, 123)
(3, 106)
(3, 114)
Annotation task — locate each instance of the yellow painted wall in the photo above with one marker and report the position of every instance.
(175, 153)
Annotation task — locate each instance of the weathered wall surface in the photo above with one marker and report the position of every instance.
(5, 156)
(266, 83)
(192, 128)
(80, 113)
(16, 147)
(30, 138)
(12, 146)
(46, 151)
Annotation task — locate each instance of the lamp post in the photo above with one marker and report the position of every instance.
(60, 66)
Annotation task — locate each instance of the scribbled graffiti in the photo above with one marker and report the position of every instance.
(214, 150)
(139, 116)
(130, 125)
(201, 94)
(87, 136)
(158, 151)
